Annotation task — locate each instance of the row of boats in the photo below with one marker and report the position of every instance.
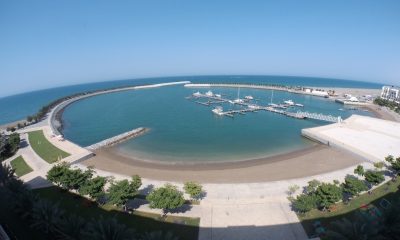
(238, 100)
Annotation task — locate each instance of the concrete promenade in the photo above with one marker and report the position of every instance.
(368, 137)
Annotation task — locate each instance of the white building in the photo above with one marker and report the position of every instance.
(391, 93)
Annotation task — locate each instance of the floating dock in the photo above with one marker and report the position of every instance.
(249, 107)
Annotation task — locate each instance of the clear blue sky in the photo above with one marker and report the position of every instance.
(53, 43)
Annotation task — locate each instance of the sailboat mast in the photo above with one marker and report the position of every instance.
(272, 95)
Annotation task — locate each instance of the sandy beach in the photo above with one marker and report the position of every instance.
(306, 162)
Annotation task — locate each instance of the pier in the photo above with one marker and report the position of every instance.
(118, 139)
(249, 107)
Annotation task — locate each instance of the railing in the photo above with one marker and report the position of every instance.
(320, 116)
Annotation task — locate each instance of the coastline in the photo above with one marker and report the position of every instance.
(302, 163)
(309, 161)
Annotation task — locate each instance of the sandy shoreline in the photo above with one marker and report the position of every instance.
(307, 162)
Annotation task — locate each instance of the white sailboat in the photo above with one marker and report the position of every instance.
(272, 104)
(238, 100)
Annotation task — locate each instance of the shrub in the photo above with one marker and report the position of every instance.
(353, 185)
(304, 203)
(328, 194)
(379, 165)
(359, 170)
(120, 192)
(193, 189)
(374, 177)
(312, 186)
(166, 198)
(94, 187)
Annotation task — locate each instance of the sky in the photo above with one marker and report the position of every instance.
(54, 43)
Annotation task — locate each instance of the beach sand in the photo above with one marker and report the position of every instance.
(306, 162)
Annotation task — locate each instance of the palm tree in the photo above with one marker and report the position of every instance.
(46, 216)
(159, 235)
(349, 230)
(23, 202)
(6, 175)
(71, 227)
(108, 229)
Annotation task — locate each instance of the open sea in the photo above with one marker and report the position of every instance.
(181, 130)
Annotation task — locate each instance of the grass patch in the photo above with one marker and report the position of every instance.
(389, 191)
(20, 166)
(44, 148)
(183, 227)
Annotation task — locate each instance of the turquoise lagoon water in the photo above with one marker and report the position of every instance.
(183, 131)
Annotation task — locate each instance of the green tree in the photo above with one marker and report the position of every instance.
(304, 203)
(379, 165)
(9, 145)
(359, 170)
(13, 142)
(374, 177)
(389, 159)
(29, 118)
(57, 172)
(353, 185)
(73, 179)
(312, 186)
(328, 194)
(193, 189)
(395, 164)
(71, 227)
(94, 187)
(46, 216)
(166, 198)
(120, 192)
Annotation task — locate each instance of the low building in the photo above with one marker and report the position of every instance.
(391, 93)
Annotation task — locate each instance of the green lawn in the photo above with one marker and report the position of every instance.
(183, 227)
(20, 166)
(389, 191)
(44, 148)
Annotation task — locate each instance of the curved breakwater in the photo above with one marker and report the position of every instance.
(290, 89)
(54, 117)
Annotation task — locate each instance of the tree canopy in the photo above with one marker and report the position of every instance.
(328, 194)
(193, 189)
(374, 177)
(93, 187)
(359, 170)
(304, 202)
(166, 198)
(121, 191)
(353, 185)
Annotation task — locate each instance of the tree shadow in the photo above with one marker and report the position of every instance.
(147, 189)
(184, 208)
(23, 143)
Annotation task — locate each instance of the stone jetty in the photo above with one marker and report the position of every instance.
(118, 139)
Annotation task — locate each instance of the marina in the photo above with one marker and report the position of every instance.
(248, 106)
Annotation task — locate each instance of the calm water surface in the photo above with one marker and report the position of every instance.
(183, 131)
